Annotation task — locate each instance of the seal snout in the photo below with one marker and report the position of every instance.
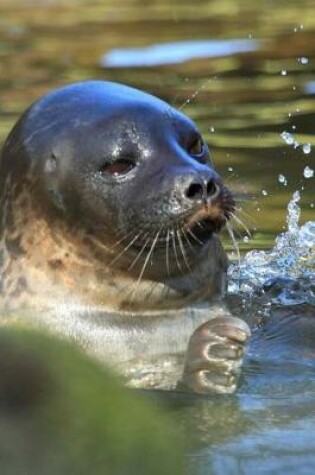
(210, 204)
(202, 190)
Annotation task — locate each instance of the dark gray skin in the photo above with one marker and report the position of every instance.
(111, 210)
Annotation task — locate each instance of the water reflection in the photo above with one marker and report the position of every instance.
(309, 87)
(177, 52)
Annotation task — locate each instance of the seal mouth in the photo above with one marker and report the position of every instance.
(203, 229)
(193, 229)
(200, 226)
(210, 218)
(192, 236)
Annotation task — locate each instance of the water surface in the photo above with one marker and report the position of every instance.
(245, 72)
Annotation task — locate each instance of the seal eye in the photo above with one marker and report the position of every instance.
(119, 167)
(196, 147)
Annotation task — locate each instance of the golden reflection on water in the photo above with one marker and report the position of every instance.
(242, 103)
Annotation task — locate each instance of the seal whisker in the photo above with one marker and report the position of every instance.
(167, 252)
(240, 222)
(120, 240)
(236, 248)
(136, 284)
(98, 243)
(174, 249)
(182, 249)
(111, 247)
(139, 253)
(247, 215)
(194, 236)
(187, 239)
(125, 249)
(148, 256)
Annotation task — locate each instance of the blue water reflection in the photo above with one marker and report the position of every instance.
(176, 52)
(309, 88)
(260, 453)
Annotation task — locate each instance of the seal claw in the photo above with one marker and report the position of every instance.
(214, 356)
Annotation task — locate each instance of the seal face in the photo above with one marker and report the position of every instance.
(110, 205)
(123, 170)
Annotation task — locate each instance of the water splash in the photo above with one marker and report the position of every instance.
(291, 140)
(308, 172)
(287, 137)
(290, 264)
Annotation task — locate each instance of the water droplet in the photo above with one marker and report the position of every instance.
(282, 179)
(308, 172)
(264, 192)
(211, 129)
(284, 72)
(230, 169)
(307, 148)
(303, 60)
(287, 137)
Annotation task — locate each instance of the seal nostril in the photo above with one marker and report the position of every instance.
(211, 188)
(195, 191)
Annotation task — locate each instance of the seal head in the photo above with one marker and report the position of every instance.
(102, 182)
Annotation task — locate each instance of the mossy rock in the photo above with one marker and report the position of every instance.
(63, 414)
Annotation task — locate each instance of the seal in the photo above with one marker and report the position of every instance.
(110, 216)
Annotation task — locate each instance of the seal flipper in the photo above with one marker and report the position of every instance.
(214, 356)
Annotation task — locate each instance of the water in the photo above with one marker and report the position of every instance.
(245, 73)
(268, 426)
